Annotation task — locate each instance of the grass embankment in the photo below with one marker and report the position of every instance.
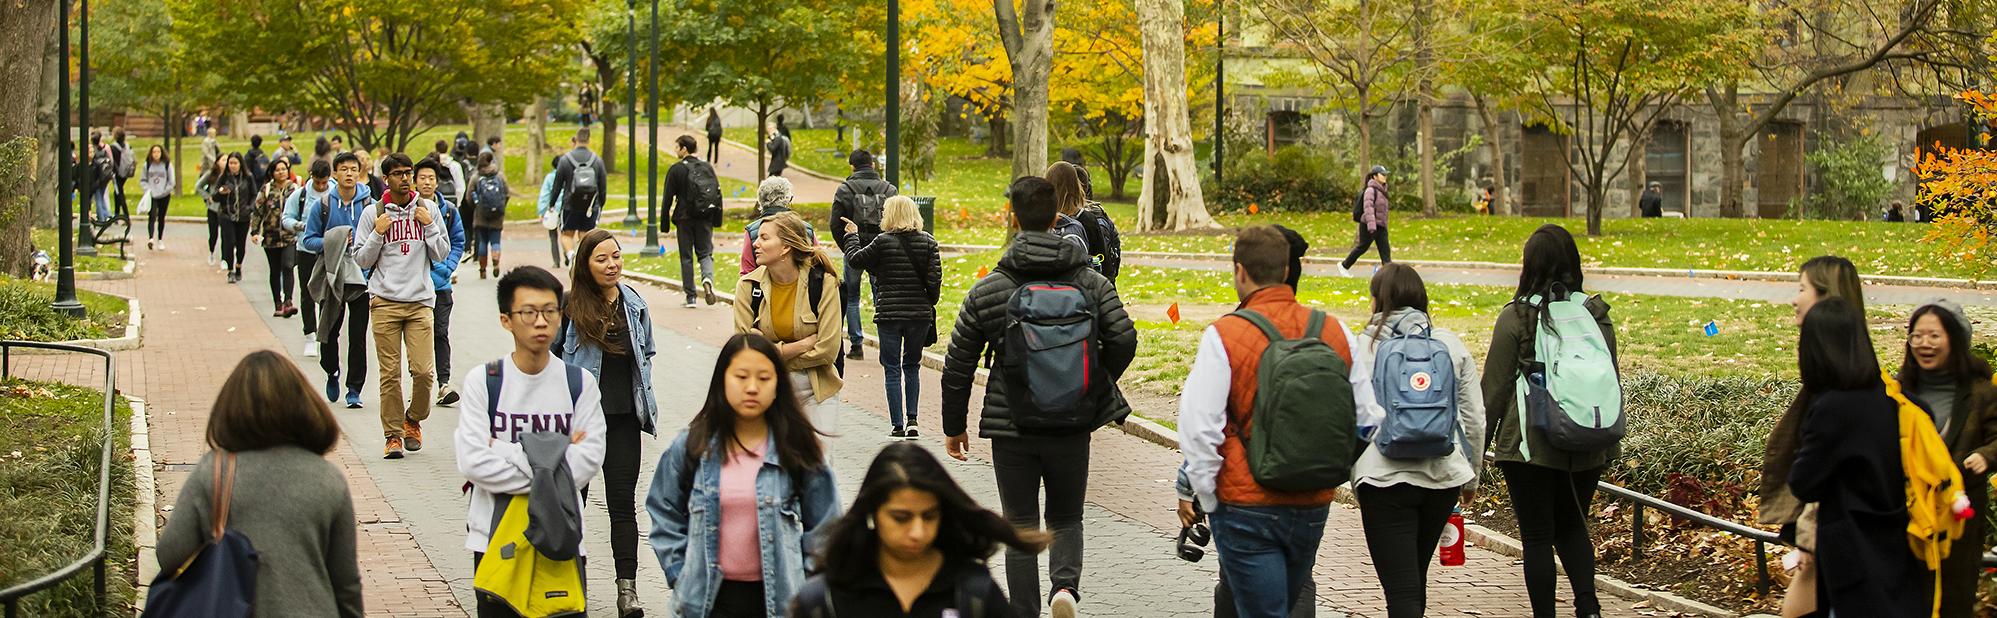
(104, 262)
(25, 313)
(50, 436)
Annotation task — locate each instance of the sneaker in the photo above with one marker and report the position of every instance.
(449, 398)
(898, 433)
(211, 258)
(412, 436)
(1343, 271)
(481, 272)
(333, 388)
(707, 290)
(312, 351)
(393, 450)
(354, 401)
(857, 353)
(1063, 604)
(689, 304)
(911, 433)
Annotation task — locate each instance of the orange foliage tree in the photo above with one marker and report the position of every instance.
(1959, 185)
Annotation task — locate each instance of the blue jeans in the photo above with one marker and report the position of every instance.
(901, 358)
(1266, 554)
(849, 294)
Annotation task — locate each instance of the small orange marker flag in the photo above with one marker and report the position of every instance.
(984, 270)
(1252, 208)
(963, 213)
(1173, 312)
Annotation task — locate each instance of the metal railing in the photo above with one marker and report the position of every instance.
(11, 597)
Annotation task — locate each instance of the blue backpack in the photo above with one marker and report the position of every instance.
(221, 579)
(1415, 381)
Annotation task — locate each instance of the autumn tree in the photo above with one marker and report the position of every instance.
(1027, 33)
(1959, 185)
(1357, 46)
(136, 69)
(24, 29)
(951, 51)
(1171, 198)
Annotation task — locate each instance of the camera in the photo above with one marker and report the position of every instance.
(1193, 541)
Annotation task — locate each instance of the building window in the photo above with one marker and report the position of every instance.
(1283, 128)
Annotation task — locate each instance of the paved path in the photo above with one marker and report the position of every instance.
(412, 542)
(739, 161)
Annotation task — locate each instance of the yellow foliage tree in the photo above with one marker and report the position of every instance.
(1959, 185)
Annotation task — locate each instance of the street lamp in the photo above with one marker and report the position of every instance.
(1219, 89)
(894, 92)
(652, 126)
(631, 77)
(65, 281)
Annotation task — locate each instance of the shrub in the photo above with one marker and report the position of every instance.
(1851, 185)
(1698, 441)
(25, 314)
(1291, 180)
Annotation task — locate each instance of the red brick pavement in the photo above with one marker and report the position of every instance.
(196, 327)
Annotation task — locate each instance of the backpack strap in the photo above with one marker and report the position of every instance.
(755, 300)
(575, 384)
(971, 591)
(225, 489)
(1268, 328)
(816, 279)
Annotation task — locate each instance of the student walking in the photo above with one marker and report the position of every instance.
(528, 391)
(268, 230)
(1371, 214)
(1067, 184)
(489, 197)
(428, 176)
(1942, 373)
(1409, 477)
(123, 167)
(694, 203)
(157, 179)
(1849, 463)
(914, 544)
(908, 276)
(792, 300)
(713, 135)
(1040, 435)
(779, 147)
(267, 478)
(235, 200)
(205, 185)
(1551, 488)
(298, 207)
(608, 333)
(580, 176)
(859, 199)
(337, 280)
(1084, 221)
(738, 499)
(773, 197)
(1267, 536)
(551, 221)
(1819, 278)
(400, 237)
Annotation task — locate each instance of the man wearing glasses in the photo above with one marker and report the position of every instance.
(338, 283)
(402, 235)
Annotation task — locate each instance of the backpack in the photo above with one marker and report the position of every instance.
(1934, 486)
(1359, 206)
(518, 575)
(583, 182)
(814, 282)
(707, 190)
(1105, 244)
(127, 165)
(868, 208)
(1054, 378)
(447, 183)
(489, 193)
(1414, 379)
(1303, 430)
(1572, 392)
(221, 578)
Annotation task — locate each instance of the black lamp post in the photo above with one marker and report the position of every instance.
(65, 281)
(652, 127)
(631, 77)
(1219, 90)
(894, 93)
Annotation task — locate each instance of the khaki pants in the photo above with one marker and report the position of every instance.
(395, 325)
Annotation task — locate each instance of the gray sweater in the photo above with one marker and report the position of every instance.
(400, 259)
(293, 506)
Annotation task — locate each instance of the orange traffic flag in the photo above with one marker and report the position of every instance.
(1173, 312)
(1252, 208)
(984, 270)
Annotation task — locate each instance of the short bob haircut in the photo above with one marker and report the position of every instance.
(267, 403)
(1834, 352)
(900, 215)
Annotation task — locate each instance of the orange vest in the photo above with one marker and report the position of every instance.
(1245, 343)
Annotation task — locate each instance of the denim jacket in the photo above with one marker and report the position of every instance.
(578, 351)
(686, 527)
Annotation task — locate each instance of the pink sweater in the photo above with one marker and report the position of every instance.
(741, 553)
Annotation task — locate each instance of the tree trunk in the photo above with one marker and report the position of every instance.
(489, 121)
(1032, 66)
(1733, 139)
(1637, 173)
(996, 143)
(537, 140)
(24, 36)
(609, 128)
(1494, 140)
(44, 200)
(1597, 196)
(762, 139)
(1168, 131)
(1365, 138)
(1425, 106)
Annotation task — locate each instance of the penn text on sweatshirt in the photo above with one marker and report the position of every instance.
(488, 441)
(399, 260)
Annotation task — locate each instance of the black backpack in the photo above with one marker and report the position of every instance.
(814, 280)
(1051, 360)
(221, 578)
(490, 195)
(868, 208)
(707, 190)
(1359, 206)
(1105, 244)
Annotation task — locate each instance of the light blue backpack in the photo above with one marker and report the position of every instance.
(1414, 379)
(1571, 392)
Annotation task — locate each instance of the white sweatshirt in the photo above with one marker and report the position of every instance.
(489, 453)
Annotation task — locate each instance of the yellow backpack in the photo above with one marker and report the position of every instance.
(1935, 498)
(514, 573)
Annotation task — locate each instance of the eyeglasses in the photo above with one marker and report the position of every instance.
(528, 315)
(400, 172)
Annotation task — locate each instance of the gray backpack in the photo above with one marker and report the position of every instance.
(583, 181)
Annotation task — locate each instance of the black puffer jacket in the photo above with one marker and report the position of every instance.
(902, 291)
(982, 322)
(845, 201)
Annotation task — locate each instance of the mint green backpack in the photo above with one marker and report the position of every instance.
(1571, 391)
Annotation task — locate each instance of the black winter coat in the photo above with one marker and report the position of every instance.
(902, 292)
(982, 321)
(845, 201)
(1849, 463)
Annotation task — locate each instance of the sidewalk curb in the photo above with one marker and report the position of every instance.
(131, 341)
(130, 270)
(145, 509)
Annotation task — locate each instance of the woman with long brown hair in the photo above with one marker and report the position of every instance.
(607, 331)
(268, 435)
(268, 230)
(792, 298)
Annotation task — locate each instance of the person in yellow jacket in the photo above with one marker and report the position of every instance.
(792, 298)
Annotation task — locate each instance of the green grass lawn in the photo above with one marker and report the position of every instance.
(105, 261)
(50, 440)
(965, 178)
(25, 314)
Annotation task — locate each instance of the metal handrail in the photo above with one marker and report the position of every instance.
(11, 596)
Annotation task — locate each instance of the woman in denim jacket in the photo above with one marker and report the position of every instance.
(739, 499)
(607, 331)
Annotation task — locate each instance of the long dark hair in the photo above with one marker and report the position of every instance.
(242, 168)
(156, 148)
(1963, 365)
(1067, 181)
(967, 531)
(1396, 286)
(796, 441)
(1550, 258)
(587, 309)
(1834, 352)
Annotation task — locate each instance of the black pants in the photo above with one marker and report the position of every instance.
(738, 599)
(214, 230)
(620, 471)
(235, 234)
(156, 220)
(489, 608)
(280, 273)
(357, 344)
(1367, 239)
(441, 320)
(1403, 525)
(1022, 466)
(309, 307)
(1551, 507)
(713, 149)
(696, 245)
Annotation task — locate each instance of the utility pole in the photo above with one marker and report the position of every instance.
(652, 143)
(65, 281)
(894, 93)
(631, 77)
(1219, 90)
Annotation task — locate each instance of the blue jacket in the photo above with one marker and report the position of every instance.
(299, 204)
(338, 214)
(686, 527)
(547, 195)
(440, 271)
(577, 350)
